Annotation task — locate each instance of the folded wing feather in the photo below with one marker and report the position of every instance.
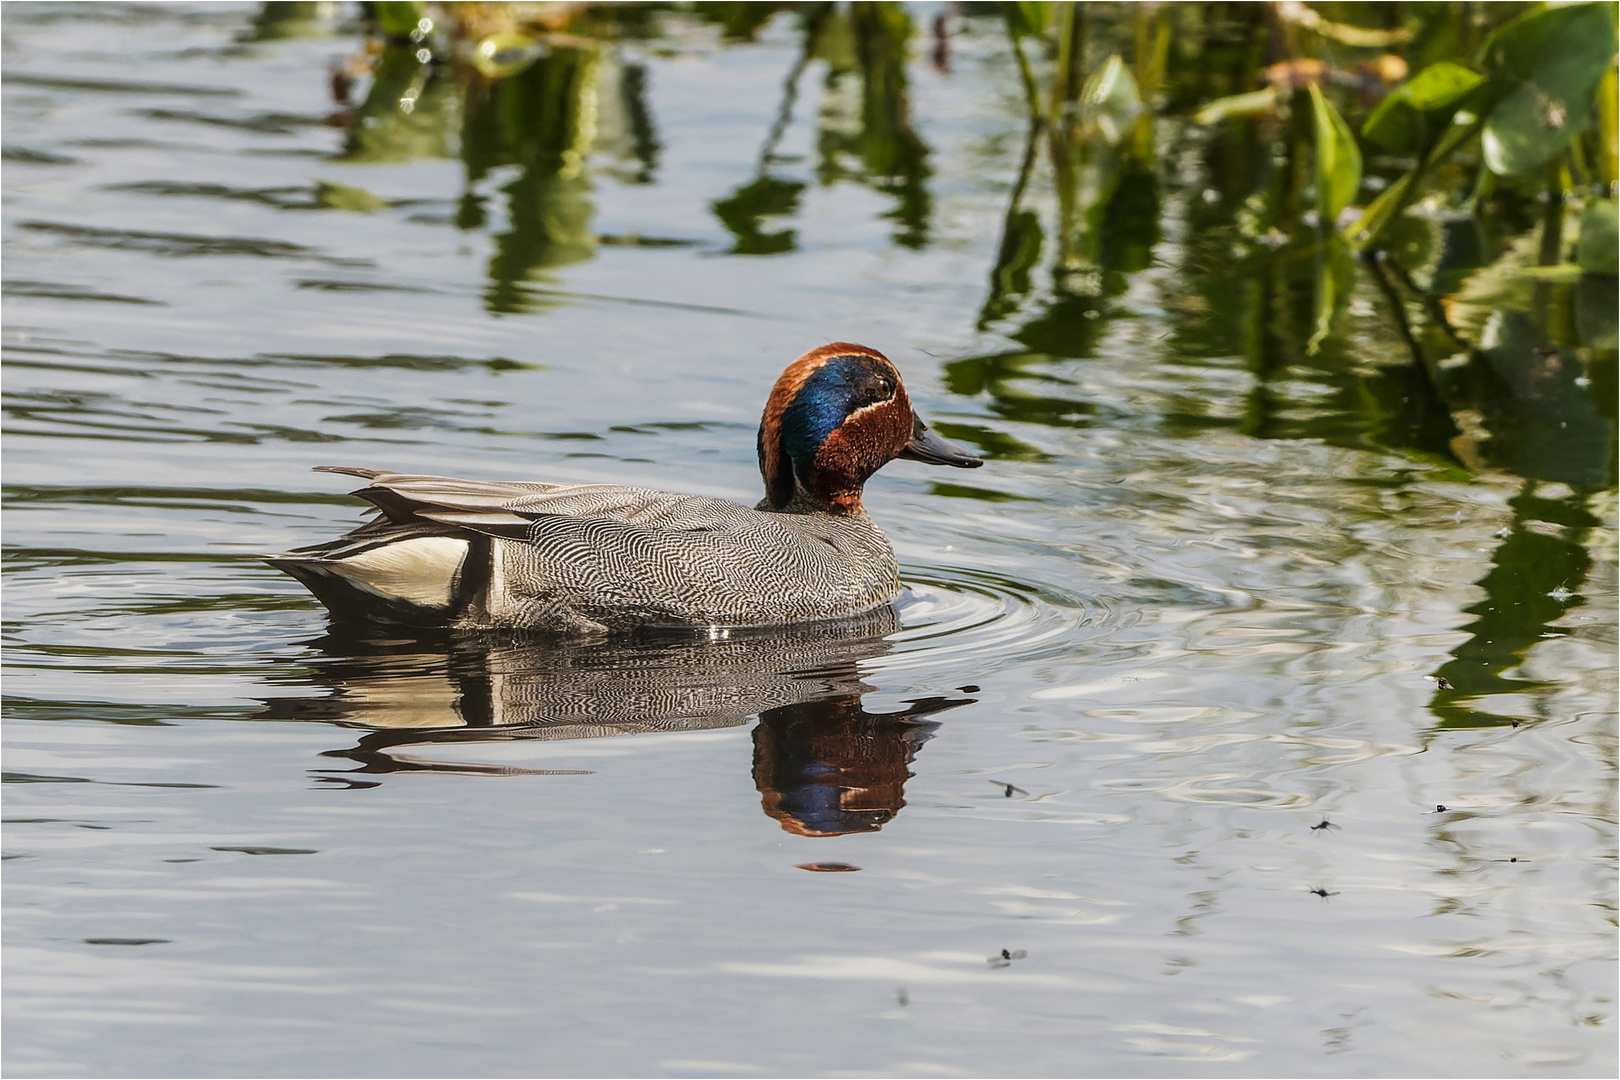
(509, 508)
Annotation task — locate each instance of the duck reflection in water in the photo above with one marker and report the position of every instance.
(829, 767)
(823, 764)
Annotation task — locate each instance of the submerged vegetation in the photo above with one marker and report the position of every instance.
(1410, 207)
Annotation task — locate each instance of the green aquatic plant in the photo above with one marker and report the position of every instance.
(1538, 93)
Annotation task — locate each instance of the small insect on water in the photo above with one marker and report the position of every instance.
(1008, 789)
(1005, 958)
(1323, 893)
(1514, 859)
(1323, 826)
(1441, 808)
(1441, 681)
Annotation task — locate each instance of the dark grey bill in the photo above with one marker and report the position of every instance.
(926, 446)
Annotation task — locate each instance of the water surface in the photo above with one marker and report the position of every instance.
(1194, 606)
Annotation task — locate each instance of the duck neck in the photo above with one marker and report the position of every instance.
(813, 486)
(838, 500)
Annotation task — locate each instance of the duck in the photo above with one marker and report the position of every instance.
(587, 558)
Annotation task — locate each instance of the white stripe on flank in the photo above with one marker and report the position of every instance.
(420, 571)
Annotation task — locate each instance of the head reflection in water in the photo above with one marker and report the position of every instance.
(829, 767)
(823, 765)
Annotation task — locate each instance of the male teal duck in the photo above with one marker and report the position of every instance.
(583, 558)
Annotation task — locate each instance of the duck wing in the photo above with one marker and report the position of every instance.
(509, 509)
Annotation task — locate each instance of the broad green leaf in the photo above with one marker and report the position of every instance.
(1110, 99)
(1554, 60)
(1441, 85)
(1599, 249)
(1338, 161)
(1411, 118)
(398, 17)
(1530, 43)
(1529, 128)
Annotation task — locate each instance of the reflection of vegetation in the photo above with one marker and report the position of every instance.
(540, 102)
(892, 157)
(291, 19)
(1534, 580)
(869, 139)
(742, 212)
(1263, 262)
(543, 121)
(405, 115)
(1399, 223)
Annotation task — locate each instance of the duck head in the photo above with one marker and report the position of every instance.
(837, 415)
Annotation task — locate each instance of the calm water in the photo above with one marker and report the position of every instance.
(1191, 608)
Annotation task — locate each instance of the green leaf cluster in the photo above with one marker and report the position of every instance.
(1544, 71)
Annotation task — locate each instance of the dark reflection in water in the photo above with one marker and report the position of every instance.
(829, 767)
(540, 120)
(744, 210)
(545, 120)
(290, 19)
(871, 141)
(892, 157)
(1536, 576)
(406, 113)
(823, 764)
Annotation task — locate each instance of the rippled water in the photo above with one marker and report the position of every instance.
(1190, 611)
